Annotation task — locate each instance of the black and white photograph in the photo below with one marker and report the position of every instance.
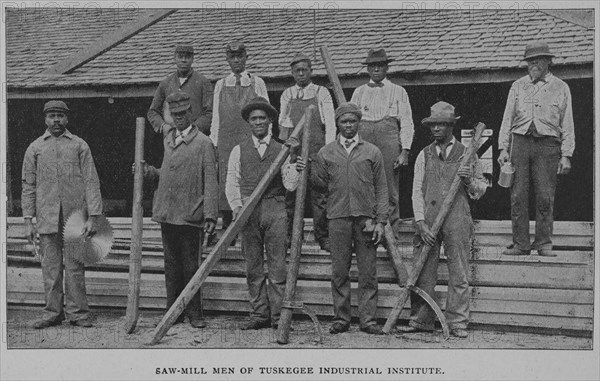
(299, 190)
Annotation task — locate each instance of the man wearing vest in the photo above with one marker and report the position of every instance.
(185, 203)
(386, 122)
(228, 128)
(538, 124)
(435, 170)
(294, 101)
(352, 171)
(266, 229)
(191, 82)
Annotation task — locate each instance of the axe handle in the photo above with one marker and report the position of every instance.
(335, 81)
(285, 320)
(137, 226)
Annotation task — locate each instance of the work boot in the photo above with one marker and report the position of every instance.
(339, 327)
(43, 323)
(372, 329)
(461, 333)
(85, 322)
(255, 324)
(514, 251)
(546, 253)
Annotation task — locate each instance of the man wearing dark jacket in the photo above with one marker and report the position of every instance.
(353, 173)
(191, 82)
(185, 201)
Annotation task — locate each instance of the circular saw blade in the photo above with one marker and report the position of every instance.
(91, 249)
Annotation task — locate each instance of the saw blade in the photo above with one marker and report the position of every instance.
(91, 249)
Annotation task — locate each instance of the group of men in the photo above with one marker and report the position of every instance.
(219, 145)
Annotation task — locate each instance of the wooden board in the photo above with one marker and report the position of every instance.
(562, 309)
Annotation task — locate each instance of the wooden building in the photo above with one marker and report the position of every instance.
(106, 65)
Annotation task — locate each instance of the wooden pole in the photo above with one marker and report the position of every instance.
(338, 92)
(285, 320)
(137, 216)
(435, 228)
(232, 231)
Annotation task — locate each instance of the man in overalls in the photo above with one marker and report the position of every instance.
(435, 170)
(294, 102)
(228, 128)
(386, 122)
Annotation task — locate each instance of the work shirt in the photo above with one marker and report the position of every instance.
(389, 100)
(259, 88)
(201, 98)
(289, 174)
(187, 191)
(475, 189)
(547, 104)
(59, 172)
(355, 181)
(310, 91)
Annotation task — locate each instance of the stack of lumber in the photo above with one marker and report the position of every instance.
(526, 292)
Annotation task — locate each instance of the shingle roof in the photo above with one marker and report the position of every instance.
(421, 41)
(37, 38)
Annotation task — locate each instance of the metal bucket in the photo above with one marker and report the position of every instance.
(507, 174)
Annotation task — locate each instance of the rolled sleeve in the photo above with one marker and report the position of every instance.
(232, 182)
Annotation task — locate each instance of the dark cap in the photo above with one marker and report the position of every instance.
(235, 47)
(348, 108)
(299, 58)
(56, 106)
(178, 101)
(537, 49)
(259, 103)
(377, 56)
(184, 48)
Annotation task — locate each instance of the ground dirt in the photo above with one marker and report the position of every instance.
(223, 331)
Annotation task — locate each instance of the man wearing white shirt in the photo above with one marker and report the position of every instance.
(386, 122)
(266, 229)
(227, 127)
(435, 169)
(294, 102)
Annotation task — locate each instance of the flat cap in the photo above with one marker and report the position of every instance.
(348, 108)
(178, 101)
(300, 57)
(55, 106)
(235, 47)
(184, 48)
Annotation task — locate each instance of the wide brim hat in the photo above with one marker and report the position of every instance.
(441, 112)
(377, 56)
(259, 103)
(537, 49)
(59, 106)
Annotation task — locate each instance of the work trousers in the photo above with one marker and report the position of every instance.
(343, 233)
(54, 261)
(536, 162)
(456, 237)
(386, 136)
(181, 245)
(266, 232)
(317, 201)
